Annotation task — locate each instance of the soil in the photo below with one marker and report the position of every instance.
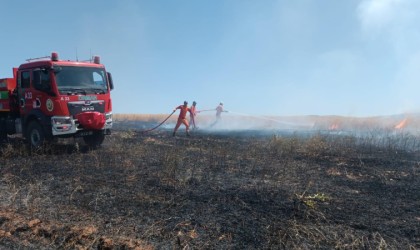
(219, 190)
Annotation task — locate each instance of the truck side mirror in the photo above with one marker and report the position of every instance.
(111, 83)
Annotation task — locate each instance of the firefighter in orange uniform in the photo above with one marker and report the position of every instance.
(193, 114)
(182, 118)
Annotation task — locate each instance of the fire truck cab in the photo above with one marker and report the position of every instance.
(49, 98)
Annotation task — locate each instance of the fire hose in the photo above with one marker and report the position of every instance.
(160, 124)
(206, 110)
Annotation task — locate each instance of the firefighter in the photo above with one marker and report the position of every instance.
(193, 114)
(219, 109)
(182, 118)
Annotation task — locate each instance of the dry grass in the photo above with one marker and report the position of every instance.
(391, 124)
(150, 120)
(213, 191)
(140, 117)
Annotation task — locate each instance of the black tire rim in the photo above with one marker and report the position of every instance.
(35, 137)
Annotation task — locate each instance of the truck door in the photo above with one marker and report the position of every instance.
(25, 92)
(41, 83)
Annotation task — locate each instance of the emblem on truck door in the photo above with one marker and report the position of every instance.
(49, 105)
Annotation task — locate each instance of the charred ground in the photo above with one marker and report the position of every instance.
(213, 191)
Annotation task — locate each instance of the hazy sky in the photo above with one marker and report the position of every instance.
(260, 57)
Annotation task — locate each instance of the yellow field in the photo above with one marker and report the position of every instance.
(157, 118)
(140, 117)
(407, 122)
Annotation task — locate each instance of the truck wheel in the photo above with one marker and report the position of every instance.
(35, 135)
(94, 140)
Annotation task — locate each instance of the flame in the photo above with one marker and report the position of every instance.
(402, 124)
(333, 126)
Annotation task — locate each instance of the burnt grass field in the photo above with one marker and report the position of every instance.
(221, 190)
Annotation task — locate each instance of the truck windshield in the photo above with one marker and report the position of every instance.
(83, 80)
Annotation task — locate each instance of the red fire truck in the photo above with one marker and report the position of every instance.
(48, 98)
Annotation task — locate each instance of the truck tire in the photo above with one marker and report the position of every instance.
(95, 140)
(35, 135)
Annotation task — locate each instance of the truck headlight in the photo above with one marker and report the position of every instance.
(108, 116)
(61, 124)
